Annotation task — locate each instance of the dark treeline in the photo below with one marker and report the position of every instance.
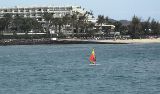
(140, 29)
(77, 23)
(18, 24)
(136, 29)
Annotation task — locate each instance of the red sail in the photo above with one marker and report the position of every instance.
(92, 57)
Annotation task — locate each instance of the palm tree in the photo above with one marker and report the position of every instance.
(17, 23)
(107, 20)
(35, 25)
(2, 27)
(74, 20)
(90, 31)
(60, 24)
(101, 20)
(55, 22)
(8, 19)
(66, 20)
(48, 18)
(82, 22)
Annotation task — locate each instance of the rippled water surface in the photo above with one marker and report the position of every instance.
(65, 69)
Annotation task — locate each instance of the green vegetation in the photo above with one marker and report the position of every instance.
(141, 29)
(77, 23)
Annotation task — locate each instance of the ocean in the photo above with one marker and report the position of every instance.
(65, 69)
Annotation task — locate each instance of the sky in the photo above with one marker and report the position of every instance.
(115, 9)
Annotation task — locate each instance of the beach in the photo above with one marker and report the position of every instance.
(118, 41)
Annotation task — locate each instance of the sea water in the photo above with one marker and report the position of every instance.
(65, 69)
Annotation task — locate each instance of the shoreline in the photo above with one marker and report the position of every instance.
(74, 41)
(128, 41)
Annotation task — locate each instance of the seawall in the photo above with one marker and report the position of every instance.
(73, 41)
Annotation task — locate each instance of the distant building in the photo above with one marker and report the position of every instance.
(105, 27)
(37, 12)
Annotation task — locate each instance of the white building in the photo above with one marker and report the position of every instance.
(37, 12)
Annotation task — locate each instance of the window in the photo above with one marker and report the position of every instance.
(33, 14)
(45, 10)
(16, 10)
(39, 19)
(27, 15)
(9, 10)
(33, 10)
(5, 10)
(21, 10)
(39, 10)
(27, 10)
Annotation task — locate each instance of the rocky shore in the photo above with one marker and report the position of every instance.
(73, 41)
(25, 41)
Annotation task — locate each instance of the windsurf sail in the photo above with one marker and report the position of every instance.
(92, 57)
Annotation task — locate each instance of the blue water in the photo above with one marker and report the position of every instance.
(65, 69)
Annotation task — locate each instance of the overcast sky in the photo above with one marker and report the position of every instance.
(116, 9)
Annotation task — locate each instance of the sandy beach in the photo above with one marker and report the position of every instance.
(128, 41)
(140, 40)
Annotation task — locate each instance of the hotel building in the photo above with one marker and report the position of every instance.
(37, 12)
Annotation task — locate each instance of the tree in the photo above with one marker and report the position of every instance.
(2, 27)
(135, 28)
(100, 20)
(8, 19)
(48, 18)
(17, 23)
(146, 26)
(66, 20)
(55, 23)
(74, 19)
(82, 22)
(118, 26)
(124, 30)
(29, 24)
(107, 20)
(155, 27)
(60, 24)
(90, 31)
